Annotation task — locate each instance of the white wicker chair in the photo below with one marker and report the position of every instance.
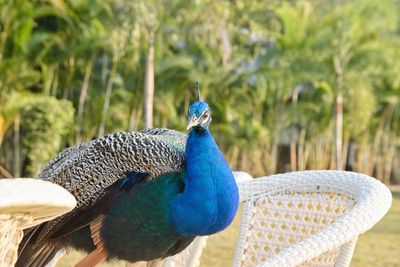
(309, 218)
(25, 203)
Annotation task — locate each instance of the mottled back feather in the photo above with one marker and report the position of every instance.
(88, 169)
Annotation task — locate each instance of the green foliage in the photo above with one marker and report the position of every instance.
(360, 107)
(46, 122)
(118, 118)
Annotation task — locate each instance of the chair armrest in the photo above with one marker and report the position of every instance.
(24, 203)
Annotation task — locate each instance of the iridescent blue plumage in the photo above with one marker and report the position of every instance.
(197, 108)
(210, 200)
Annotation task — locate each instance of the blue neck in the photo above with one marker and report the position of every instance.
(210, 198)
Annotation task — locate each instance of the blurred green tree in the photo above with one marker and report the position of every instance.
(45, 122)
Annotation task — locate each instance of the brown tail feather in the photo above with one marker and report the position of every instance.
(99, 254)
(94, 258)
(45, 256)
(37, 256)
(32, 255)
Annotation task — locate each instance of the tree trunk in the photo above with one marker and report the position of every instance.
(107, 99)
(54, 85)
(235, 157)
(257, 163)
(48, 78)
(302, 153)
(387, 155)
(135, 116)
(17, 147)
(379, 135)
(339, 114)
(294, 134)
(82, 98)
(104, 68)
(293, 156)
(149, 84)
(345, 151)
(4, 36)
(226, 45)
(243, 161)
(70, 75)
(2, 129)
(388, 164)
(271, 158)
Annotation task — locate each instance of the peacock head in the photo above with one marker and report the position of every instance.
(199, 113)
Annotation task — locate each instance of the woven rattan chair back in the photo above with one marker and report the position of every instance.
(278, 221)
(310, 218)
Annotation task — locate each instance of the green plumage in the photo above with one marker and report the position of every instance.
(139, 226)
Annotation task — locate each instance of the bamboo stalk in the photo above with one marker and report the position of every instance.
(301, 149)
(388, 161)
(345, 150)
(17, 146)
(293, 156)
(2, 129)
(226, 45)
(107, 99)
(149, 83)
(339, 113)
(82, 98)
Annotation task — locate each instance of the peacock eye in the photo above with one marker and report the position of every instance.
(205, 116)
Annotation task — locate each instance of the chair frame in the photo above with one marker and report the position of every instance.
(26, 202)
(372, 200)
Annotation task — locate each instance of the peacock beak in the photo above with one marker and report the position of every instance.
(193, 121)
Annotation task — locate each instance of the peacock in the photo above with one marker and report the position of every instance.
(141, 196)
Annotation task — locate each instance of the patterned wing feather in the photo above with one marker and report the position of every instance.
(87, 170)
(174, 138)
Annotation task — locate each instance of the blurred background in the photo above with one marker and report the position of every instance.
(293, 85)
